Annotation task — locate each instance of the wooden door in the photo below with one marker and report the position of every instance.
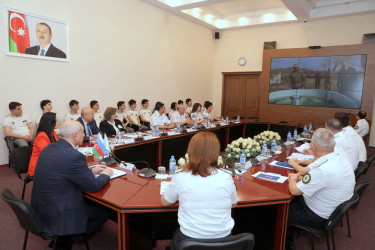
(241, 94)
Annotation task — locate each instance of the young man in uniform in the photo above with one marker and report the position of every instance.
(145, 113)
(73, 115)
(133, 117)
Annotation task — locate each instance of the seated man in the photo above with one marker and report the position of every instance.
(98, 116)
(17, 126)
(46, 106)
(329, 183)
(61, 176)
(344, 118)
(123, 116)
(180, 117)
(189, 106)
(362, 127)
(135, 123)
(73, 114)
(89, 124)
(159, 118)
(145, 113)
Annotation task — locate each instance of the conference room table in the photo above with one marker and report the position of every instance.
(131, 194)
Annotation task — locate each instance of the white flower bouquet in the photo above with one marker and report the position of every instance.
(183, 160)
(233, 151)
(267, 136)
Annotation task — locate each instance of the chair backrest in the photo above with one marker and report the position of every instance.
(361, 169)
(9, 143)
(339, 212)
(26, 215)
(361, 186)
(20, 158)
(365, 137)
(370, 158)
(244, 241)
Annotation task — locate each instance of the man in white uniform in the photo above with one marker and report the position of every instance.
(362, 127)
(123, 116)
(73, 115)
(145, 113)
(329, 183)
(344, 118)
(18, 126)
(133, 117)
(180, 117)
(159, 118)
(98, 116)
(189, 106)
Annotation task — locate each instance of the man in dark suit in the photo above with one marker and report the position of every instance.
(89, 125)
(46, 48)
(61, 174)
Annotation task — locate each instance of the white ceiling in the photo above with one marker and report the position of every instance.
(229, 14)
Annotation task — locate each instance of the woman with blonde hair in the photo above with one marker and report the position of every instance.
(205, 193)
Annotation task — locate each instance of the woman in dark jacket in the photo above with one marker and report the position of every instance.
(110, 125)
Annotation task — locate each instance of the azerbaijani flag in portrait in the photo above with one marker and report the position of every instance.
(99, 149)
(18, 29)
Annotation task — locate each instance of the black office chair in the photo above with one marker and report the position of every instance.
(28, 219)
(365, 137)
(331, 223)
(19, 158)
(361, 169)
(244, 241)
(11, 146)
(369, 160)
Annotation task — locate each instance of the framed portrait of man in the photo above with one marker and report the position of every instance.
(34, 36)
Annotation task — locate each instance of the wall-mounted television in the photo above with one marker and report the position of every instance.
(326, 81)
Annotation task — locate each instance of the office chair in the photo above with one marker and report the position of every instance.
(19, 158)
(10, 145)
(28, 219)
(361, 169)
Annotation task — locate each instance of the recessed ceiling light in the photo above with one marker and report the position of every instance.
(268, 18)
(290, 16)
(243, 20)
(176, 3)
(196, 12)
(208, 18)
(221, 24)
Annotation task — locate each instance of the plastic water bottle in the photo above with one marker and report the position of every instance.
(295, 134)
(178, 127)
(195, 124)
(157, 130)
(305, 129)
(273, 145)
(227, 120)
(289, 136)
(264, 149)
(118, 137)
(172, 165)
(310, 127)
(242, 161)
(238, 118)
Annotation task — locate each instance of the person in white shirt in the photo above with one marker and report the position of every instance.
(98, 116)
(145, 113)
(362, 127)
(123, 116)
(18, 126)
(135, 123)
(329, 183)
(73, 115)
(206, 194)
(180, 116)
(343, 142)
(189, 106)
(46, 106)
(159, 118)
(344, 118)
(173, 109)
(196, 114)
(209, 111)
(156, 105)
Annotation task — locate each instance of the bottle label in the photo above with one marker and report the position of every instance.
(242, 160)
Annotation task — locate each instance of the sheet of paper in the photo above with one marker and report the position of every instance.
(274, 163)
(163, 186)
(148, 137)
(302, 147)
(127, 141)
(300, 157)
(116, 173)
(132, 135)
(270, 177)
(161, 176)
(173, 133)
(85, 151)
(127, 166)
(190, 130)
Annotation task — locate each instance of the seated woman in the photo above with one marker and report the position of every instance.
(196, 114)
(173, 109)
(45, 135)
(205, 194)
(110, 125)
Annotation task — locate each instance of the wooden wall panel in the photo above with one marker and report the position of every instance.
(317, 115)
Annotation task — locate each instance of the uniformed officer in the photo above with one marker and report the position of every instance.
(73, 113)
(180, 117)
(173, 109)
(189, 106)
(135, 123)
(362, 127)
(98, 116)
(297, 78)
(196, 114)
(18, 126)
(159, 118)
(329, 183)
(123, 116)
(145, 113)
(344, 118)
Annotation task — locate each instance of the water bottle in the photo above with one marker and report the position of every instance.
(157, 130)
(118, 137)
(172, 165)
(295, 134)
(305, 129)
(310, 127)
(264, 149)
(195, 124)
(238, 118)
(208, 123)
(242, 161)
(273, 147)
(178, 127)
(227, 120)
(289, 136)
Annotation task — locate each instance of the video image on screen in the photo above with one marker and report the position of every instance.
(329, 81)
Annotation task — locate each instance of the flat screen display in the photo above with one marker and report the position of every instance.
(327, 81)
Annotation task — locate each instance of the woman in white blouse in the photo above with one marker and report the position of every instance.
(206, 194)
(196, 114)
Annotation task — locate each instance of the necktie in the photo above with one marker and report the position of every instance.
(88, 131)
(42, 52)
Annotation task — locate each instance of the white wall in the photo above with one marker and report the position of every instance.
(248, 43)
(119, 49)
